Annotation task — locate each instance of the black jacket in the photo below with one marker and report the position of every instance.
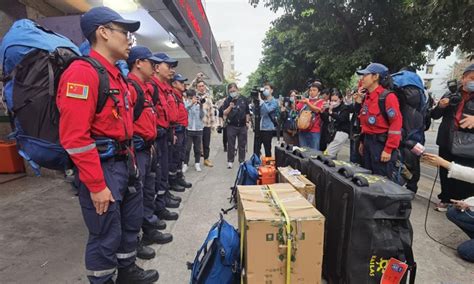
(443, 140)
(341, 117)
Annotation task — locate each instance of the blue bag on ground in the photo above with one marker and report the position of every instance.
(33, 59)
(218, 259)
(246, 175)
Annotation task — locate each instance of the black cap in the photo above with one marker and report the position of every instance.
(102, 15)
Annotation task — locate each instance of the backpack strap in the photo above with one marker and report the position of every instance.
(156, 94)
(140, 103)
(382, 99)
(104, 85)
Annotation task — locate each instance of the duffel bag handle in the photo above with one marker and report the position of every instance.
(360, 180)
(346, 172)
(329, 162)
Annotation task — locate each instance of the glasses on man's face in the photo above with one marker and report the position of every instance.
(127, 34)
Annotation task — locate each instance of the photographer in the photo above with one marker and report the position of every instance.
(337, 119)
(457, 110)
(236, 114)
(195, 128)
(268, 106)
(208, 120)
(311, 137)
(288, 116)
(357, 94)
(325, 134)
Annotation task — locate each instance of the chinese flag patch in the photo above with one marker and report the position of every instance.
(77, 91)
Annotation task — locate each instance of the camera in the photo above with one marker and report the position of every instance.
(219, 129)
(201, 100)
(256, 92)
(454, 96)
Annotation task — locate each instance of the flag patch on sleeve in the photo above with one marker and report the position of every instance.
(77, 91)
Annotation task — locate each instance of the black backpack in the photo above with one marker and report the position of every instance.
(33, 60)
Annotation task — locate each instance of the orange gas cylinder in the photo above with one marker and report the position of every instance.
(268, 161)
(267, 174)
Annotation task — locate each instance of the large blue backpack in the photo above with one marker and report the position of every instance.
(33, 59)
(218, 259)
(410, 92)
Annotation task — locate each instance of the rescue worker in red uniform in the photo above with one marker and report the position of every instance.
(112, 211)
(381, 138)
(166, 114)
(141, 65)
(179, 148)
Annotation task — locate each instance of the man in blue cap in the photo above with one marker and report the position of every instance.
(112, 211)
(164, 72)
(179, 149)
(380, 136)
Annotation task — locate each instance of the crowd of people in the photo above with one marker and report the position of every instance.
(131, 157)
(381, 134)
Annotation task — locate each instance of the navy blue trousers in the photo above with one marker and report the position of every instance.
(113, 235)
(162, 170)
(373, 149)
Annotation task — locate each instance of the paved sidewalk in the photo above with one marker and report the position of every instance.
(42, 233)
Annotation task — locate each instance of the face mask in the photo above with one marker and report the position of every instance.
(233, 94)
(292, 99)
(470, 86)
(266, 93)
(335, 104)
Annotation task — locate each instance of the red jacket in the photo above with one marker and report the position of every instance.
(145, 125)
(373, 122)
(162, 109)
(78, 123)
(182, 112)
(167, 91)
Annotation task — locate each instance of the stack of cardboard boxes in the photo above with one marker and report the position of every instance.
(262, 211)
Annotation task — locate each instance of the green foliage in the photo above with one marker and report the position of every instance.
(331, 39)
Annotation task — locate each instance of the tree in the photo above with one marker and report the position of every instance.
(331, 39)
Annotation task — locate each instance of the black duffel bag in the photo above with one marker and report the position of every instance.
(367, 224)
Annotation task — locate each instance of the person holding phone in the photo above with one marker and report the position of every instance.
(461, 212)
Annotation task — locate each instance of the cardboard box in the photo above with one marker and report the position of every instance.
(264, 235)
(299, 182)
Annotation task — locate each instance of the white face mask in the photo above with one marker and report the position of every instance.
(335, 104)
(233, 94)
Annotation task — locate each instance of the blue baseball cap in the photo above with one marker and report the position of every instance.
(141, 52)
(374, 68)
(102, 15)
(165, 58)
(179, 77)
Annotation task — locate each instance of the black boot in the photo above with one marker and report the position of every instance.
(182, 182)
(167, 215)
(174, 186)
(156, 237)
(172, 196)
(170, 203)
(144, 252)
(135, 274)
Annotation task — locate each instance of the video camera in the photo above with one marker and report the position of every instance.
(454, 96)
(256, 92)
